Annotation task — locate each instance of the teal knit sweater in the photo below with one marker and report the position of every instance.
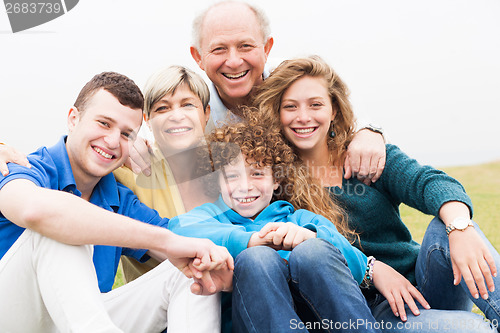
(373, 211)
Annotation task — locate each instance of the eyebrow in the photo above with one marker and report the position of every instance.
(111, 120)
(308, 99)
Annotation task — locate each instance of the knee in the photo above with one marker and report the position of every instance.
(435, 235)
(316, 251)
(258, 259)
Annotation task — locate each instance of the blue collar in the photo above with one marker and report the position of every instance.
(105, 193)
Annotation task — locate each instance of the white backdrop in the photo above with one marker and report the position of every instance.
(427, 70)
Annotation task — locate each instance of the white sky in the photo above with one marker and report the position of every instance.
(428, 71)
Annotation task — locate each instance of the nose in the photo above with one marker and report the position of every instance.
(176, 114)
(112, 139)
(303, 115)
(245, 185)
(233, 58)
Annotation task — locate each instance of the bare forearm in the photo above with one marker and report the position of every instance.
(71, 220)
(453, 209)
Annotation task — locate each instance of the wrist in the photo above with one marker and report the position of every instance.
(375, 128)
(368, 278)
(459, 223)
(255, 240)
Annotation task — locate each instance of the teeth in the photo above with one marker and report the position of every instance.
(247, 200)
(102, 153)
(178, 130)
(235, 76)
(304, 130)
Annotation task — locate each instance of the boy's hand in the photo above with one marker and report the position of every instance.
(211, 266)
(221, 277)
(9, 154)
(286, 236)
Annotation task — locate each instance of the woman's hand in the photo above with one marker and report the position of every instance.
(9, 154)
(471, 259)
(365, 157)
(281, 235)
(397, 290)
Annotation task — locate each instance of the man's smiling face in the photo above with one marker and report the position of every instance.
(233, 51)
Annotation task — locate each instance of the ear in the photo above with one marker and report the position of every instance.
(334, 112)
(73, 118)
(196, 56)
(207, 114)
(268, 46)
(275, 186)
(146, 120)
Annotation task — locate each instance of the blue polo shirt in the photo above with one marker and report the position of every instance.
(51, 169)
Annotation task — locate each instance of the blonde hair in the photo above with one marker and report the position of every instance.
(167, 80)
(270, 92)
(267, 147)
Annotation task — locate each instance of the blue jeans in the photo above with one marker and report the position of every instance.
(450, 304)
(270, 295)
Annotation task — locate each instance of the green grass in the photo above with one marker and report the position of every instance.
(482, 183)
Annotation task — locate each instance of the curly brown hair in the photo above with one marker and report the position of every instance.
(267, 147)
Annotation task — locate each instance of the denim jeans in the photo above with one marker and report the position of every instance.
(270, 295)
(450, 304)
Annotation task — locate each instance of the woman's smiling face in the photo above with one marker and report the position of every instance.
(178, 120)
(306, 112)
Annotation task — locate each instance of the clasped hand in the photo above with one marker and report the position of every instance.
(210, 266)
(281, 236)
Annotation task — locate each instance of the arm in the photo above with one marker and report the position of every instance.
(9, 154)
(434, 192)
(422, 187)
(470, 258)
(207, 221)
(72, 220)
(365, 156)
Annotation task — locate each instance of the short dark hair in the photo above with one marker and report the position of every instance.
(124, 89)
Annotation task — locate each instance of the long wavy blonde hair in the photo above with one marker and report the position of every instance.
(266, 146)
(269, 94)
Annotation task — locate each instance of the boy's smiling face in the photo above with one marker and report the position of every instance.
(246, 187)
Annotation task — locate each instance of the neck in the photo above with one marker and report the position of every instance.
(322, 168)
(233, 104)
(84, 183)
(184, 164)
(185, 167)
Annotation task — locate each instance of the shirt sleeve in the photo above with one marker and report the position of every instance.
(207, 221)
(356, 260)
(421, 187)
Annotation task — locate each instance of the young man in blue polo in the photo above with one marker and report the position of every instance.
(65, 221)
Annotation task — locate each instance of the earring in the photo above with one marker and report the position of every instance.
(332, 132)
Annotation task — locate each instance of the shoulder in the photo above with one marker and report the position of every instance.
(124, 176)
(43, 169)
